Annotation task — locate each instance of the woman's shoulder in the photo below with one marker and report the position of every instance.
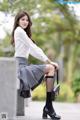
(19, 30)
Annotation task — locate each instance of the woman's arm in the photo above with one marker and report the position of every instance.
(35, 51)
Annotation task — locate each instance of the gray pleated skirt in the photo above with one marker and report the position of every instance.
(30, 75)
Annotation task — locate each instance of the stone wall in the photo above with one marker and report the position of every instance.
(8, 89)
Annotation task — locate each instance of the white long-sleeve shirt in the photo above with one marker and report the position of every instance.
(25, 46)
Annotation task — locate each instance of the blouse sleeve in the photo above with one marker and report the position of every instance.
(35, 51)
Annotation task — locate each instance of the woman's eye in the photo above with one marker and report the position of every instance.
(24, 20)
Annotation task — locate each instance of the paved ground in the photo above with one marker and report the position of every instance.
(66, 110)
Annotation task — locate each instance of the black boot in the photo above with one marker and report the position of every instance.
(48, 108)
(25, 93)
(51, 113)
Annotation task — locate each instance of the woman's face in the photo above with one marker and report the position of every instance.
(23, 22)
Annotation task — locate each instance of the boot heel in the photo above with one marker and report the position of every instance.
(44, 116)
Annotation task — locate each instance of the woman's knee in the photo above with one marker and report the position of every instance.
(49, 68)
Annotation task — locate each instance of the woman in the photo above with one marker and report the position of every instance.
(31, 75)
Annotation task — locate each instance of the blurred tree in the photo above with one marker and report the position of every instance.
(55, 29)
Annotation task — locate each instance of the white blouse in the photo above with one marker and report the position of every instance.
(25, 46)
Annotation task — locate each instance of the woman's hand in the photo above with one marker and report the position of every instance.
(55, 65)
(52, 63)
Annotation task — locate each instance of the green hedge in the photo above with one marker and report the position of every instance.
(76, 86)
(39, 93)
(66, 94)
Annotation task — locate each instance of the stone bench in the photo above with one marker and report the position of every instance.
(11, 104)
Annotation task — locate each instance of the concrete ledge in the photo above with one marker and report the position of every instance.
(8, 89)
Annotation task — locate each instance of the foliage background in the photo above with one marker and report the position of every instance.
(56, 30)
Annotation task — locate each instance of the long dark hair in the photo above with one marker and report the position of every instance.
(19, 15)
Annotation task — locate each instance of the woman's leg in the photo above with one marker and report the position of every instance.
(50, 71)
(48, 109)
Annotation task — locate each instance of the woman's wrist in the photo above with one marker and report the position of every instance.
(48, 61)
